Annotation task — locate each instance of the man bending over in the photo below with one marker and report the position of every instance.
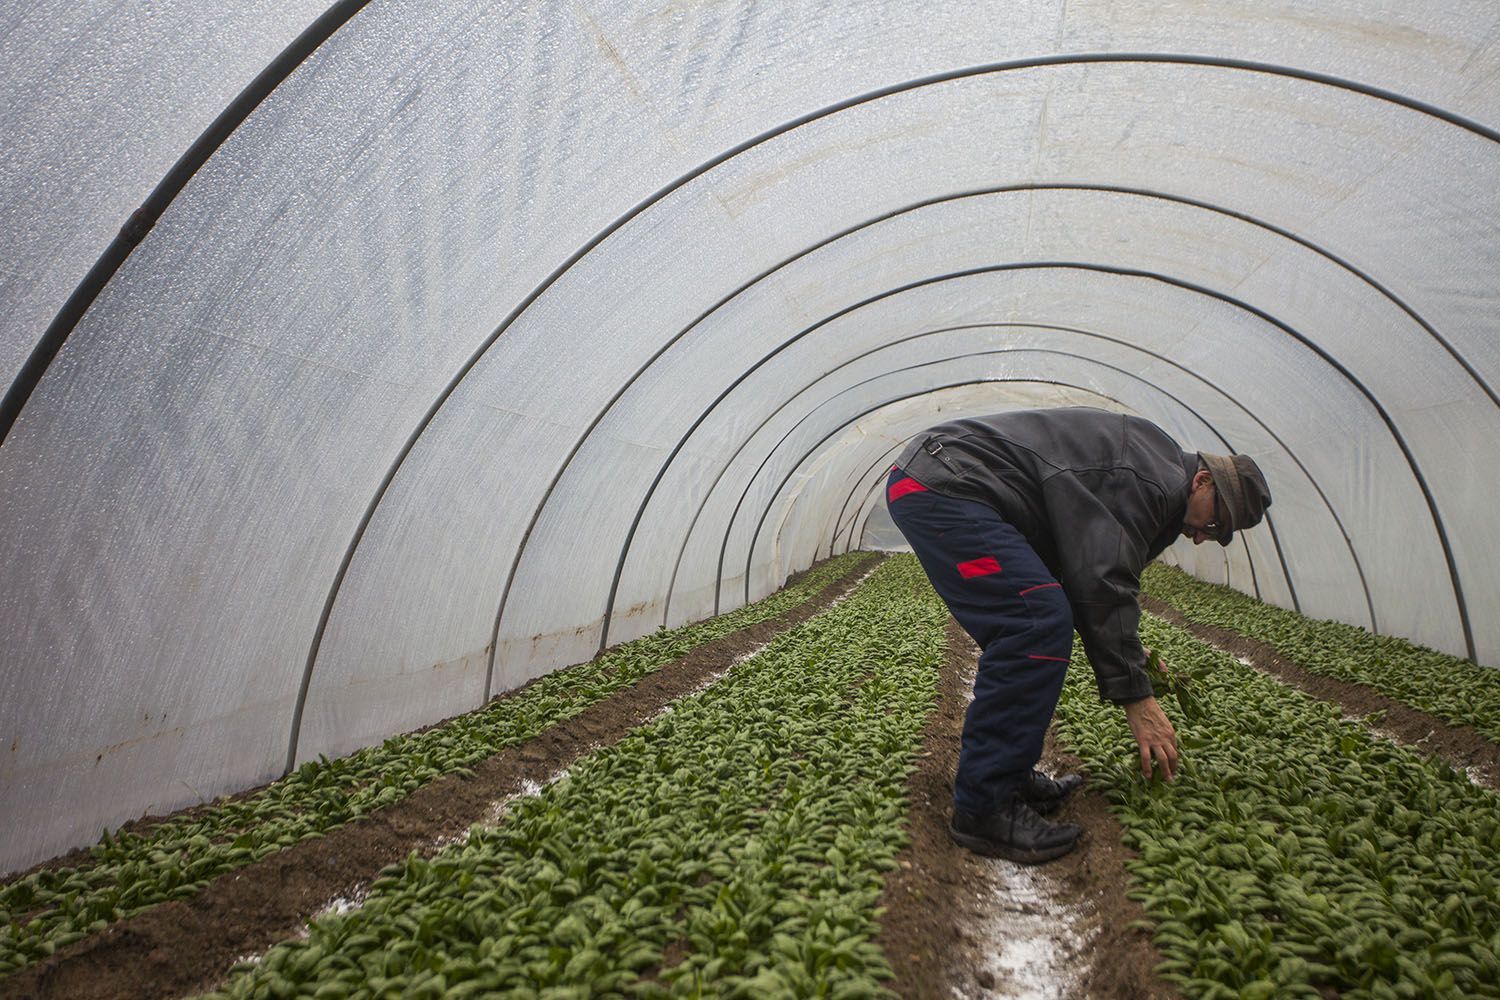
(1032, 523)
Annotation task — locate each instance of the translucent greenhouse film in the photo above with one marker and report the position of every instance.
(364, 362)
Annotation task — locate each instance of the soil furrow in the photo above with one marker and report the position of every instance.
(1462, 747)
(185, 947)
(944, 923)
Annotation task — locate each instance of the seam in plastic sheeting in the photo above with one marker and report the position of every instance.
(704, 168)
(760, 523)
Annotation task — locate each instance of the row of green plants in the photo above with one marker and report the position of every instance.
(1449, 687)
(733, 846)
(1296, 855)
(128, 872)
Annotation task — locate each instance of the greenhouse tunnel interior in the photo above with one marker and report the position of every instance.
(363, 362)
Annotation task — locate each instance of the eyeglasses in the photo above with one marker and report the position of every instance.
(1212, 527)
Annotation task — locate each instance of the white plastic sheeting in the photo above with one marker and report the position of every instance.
(494, 335)
(100, 99)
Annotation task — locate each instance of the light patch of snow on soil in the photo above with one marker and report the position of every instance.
(1034, 952)
(337, 906)
(343, 904)
(752, 654)
(529, 790)
(853, 587)
(1477, 775)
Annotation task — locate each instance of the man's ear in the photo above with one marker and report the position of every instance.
(1200, 477)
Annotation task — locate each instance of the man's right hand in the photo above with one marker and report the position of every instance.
(1155, 735)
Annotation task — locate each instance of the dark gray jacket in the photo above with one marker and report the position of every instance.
(1097, 494)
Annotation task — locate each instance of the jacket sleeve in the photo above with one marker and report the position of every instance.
(1100, 562)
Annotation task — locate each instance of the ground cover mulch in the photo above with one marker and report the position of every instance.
(185, 947)
(1461, 746)
(941, 926)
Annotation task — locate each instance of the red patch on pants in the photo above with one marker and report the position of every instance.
(902, 487)
(978, 567)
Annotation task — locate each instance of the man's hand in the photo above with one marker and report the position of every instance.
(1154, 732)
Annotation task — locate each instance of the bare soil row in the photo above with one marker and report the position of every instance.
(944, 922)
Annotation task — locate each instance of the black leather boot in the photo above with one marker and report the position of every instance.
(1014, 832)
(1045, 794)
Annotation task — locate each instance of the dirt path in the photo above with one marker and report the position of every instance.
(1461, 746)
(185, 947)
(958, 925)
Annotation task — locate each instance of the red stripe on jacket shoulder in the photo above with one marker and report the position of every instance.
(902, 487)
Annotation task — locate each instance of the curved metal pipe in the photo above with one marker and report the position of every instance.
(1332, 362)
(166, 191)
(955, 385)
(755, 536)
(682, 181)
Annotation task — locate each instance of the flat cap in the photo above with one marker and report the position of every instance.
(1241, 487)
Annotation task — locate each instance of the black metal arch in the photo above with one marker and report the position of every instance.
(957, 385)
(998, 189)
(760, 522)
(442, 397)
(1290, 453)
(1124, 272)
(166, 191)
(249, 100)
(914, 207)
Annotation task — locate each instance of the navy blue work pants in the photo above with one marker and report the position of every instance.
(1004, 596)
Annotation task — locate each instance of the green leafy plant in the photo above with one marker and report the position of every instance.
(1177, 683)
(1447, 686)
(734, 846)
(1296, 855)
(129, 872)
